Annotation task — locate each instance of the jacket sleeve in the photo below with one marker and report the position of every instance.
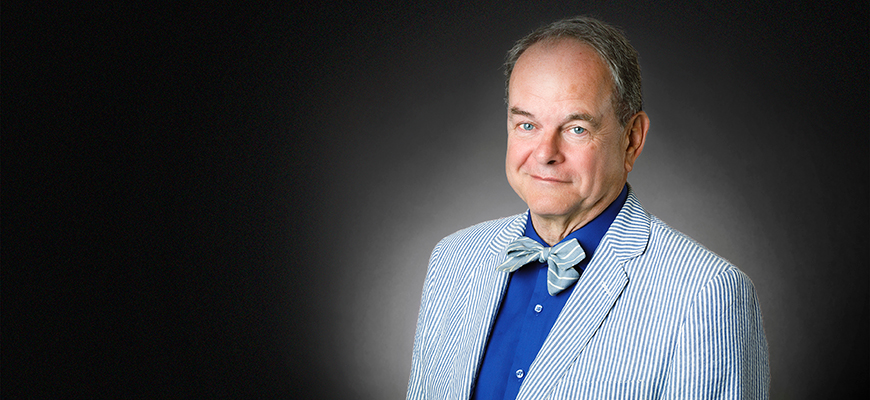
(416, 384)
(721, 350)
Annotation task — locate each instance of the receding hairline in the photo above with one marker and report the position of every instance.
(550, 43)
(611, 45)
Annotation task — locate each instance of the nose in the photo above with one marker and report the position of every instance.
(549, 150)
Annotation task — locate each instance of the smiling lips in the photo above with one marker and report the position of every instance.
(547, 179)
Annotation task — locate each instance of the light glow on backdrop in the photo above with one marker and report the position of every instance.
(731, 160)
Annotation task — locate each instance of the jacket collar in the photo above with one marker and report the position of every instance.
(498, 246)
(628, 235)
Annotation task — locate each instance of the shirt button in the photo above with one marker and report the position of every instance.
(520, 373)
(538, 308)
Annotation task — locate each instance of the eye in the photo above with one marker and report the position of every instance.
(578, 130)
(526, 126)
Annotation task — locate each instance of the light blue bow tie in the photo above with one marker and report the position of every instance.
(561, 260)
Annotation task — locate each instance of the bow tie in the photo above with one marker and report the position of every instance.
(561, 259)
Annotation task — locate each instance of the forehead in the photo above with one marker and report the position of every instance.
(559, 70)
(565, 47)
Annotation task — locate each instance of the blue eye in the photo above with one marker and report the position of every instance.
(578, 130)
(527, 126)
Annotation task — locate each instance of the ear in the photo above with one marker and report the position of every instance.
(637, 127)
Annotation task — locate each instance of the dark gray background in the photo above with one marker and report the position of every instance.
(238, 201)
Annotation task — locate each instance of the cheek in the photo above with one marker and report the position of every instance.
(589, 161)
(605, 161)
(510, 164)
(593, 170)
(514, 158)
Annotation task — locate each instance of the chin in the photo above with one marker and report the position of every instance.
(550, 209)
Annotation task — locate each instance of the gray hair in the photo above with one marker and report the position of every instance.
(612, 47)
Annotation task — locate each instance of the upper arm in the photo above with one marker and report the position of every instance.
(415, 385)
(721, 350)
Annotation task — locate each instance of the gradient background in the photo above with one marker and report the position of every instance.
(240, 201)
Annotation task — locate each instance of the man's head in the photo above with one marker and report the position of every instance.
(612, 47)
(569, 150)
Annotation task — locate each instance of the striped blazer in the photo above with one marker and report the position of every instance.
(655, 315)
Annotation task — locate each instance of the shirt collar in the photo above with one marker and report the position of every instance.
(588, 235)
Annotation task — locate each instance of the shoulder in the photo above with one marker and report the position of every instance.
(460, 252)
(483, 235)
(676, 245)
(646, 242)
(679, 258)
(460, 255)
(678, 274)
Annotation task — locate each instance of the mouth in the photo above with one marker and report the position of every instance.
(548, 179)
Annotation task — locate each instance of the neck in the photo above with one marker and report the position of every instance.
(552, 229)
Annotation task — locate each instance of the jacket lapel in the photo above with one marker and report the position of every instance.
(597, 291)
(485, 292)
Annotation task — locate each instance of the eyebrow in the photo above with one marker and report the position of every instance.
(570, 117)
(517, 111)
(583, 117)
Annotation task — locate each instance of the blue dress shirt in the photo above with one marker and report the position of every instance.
(528, 312)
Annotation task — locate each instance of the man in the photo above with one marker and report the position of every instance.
(585, 295)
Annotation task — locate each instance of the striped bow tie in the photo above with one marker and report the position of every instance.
(561, 260)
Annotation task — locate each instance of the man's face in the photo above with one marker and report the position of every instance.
(566, 152)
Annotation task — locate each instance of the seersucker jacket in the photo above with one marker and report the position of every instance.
(655, 315)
